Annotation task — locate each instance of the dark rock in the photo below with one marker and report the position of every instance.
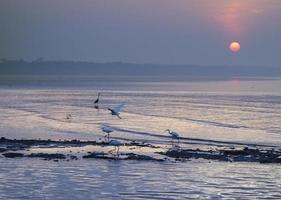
(243, 158)
(189, 153)
(13, 155)
(231, 155)
(99, 155)
(133, 143)
(132, 156)
(47, 156)
(270, 158)
(245, 151)
(33, 142)
(2, 149)
(73, 157)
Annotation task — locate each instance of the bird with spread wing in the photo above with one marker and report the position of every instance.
(116, 111)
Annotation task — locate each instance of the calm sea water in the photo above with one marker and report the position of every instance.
(246, 111)
(198, 179)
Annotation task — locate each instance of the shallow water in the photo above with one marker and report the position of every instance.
(227, 111)
(96, 179)
(249, 116)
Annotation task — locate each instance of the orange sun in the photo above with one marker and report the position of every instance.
(234, 47)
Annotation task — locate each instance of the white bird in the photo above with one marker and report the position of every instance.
(174, 135)
(107, 130)
(116, 145)
(116, 111)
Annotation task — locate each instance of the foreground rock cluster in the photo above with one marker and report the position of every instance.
(22, 148)
(233, 155)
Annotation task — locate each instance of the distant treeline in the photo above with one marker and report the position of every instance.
(41, 67)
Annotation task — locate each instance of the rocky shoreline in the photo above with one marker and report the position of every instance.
(24, 148)
(231, 155)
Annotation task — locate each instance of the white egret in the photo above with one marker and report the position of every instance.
(116, 145)
(116, 111)
(174, 135)
(107, 130)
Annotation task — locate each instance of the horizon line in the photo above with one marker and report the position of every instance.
(42, 60)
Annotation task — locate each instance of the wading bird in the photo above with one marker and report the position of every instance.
(96, 102)
(174, 135)
(116, 111)
(107, 130)
(116, 145)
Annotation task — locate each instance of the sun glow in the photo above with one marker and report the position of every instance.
(234, 47)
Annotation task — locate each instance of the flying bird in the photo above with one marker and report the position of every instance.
(174, 135)
(116, 111)
(107, 130)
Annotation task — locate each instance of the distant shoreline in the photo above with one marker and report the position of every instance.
(113, 69)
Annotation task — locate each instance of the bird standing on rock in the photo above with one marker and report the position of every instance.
(116, 145)
(107, 130)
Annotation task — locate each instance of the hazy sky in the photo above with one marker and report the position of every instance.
(142, 31)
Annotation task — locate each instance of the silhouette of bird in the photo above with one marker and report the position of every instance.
(97, 100)
(116, 111)
(116, 145)
(174, 135)
(107, 130)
